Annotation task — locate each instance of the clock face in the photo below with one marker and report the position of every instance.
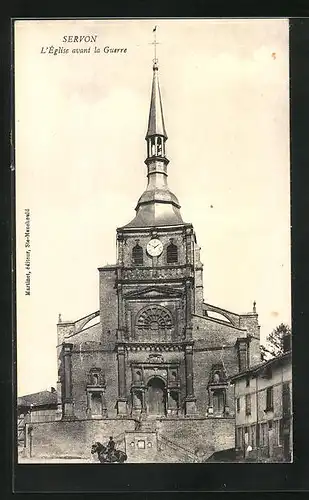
(155, 247)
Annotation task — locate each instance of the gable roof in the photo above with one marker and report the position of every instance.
(256, 369)
(41, 398)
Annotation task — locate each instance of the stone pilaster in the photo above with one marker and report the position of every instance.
(189, 297)
(67, 399)
(120, 307)
(122, 393)
(190, 401)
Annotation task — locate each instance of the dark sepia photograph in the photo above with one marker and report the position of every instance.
(153, 275)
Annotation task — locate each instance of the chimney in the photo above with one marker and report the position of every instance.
(286, 342)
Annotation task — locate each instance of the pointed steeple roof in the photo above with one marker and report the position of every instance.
(157, 206)
(156, 120)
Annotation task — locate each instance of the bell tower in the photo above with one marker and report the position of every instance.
(157, 265)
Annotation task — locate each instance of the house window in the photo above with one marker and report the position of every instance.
(247, 381)
(137, 255)
(141, 444)
(286, 399)
(248, 404)
(172, 253)
(238, 405)
(269, 399)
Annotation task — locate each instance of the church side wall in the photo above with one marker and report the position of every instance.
(108, 307)
(90, 334)
(214, 333)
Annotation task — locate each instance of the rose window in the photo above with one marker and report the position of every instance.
(154, 319)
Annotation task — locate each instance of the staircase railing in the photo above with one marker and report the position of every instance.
(21, 427)
(179, 448)
(119, 439)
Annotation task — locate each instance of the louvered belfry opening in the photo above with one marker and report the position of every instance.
(137, 255)
(172, 253)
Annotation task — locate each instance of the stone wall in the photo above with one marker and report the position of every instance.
(75, 438)
(200, 436)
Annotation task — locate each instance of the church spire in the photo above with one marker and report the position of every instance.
(156, 125)
(157, 206)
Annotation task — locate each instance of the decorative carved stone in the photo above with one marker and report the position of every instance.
(156, 358)
(96, 377)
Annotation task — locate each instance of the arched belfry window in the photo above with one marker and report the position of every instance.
(159, 142)
(152, 146)
(137, 255)
(171, 253)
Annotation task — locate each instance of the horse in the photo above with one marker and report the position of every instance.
(117, 456)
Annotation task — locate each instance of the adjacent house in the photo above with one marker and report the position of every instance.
(36, 407)
(263, 410)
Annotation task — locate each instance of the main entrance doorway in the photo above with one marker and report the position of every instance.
(156, 397)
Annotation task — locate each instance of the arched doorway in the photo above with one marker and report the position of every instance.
(156, 397)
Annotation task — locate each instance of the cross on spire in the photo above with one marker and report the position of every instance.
(155, 43)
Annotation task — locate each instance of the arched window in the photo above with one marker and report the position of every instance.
(159, 142)
(137, 255)
(172, 253)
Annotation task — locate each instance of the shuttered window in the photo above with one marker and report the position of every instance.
(248, 404)
(269, 399)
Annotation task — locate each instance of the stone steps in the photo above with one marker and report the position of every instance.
(148, 426)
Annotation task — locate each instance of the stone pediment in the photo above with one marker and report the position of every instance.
(154, 292)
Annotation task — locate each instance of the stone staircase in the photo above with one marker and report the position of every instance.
(170, 452)
(148, 425)
(166, 450)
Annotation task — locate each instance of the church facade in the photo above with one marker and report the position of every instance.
(155, 351)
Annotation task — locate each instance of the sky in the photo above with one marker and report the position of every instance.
(80, 124)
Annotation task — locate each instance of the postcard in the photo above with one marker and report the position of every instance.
(152, 174)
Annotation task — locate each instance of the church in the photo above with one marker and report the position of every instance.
(154, 353)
